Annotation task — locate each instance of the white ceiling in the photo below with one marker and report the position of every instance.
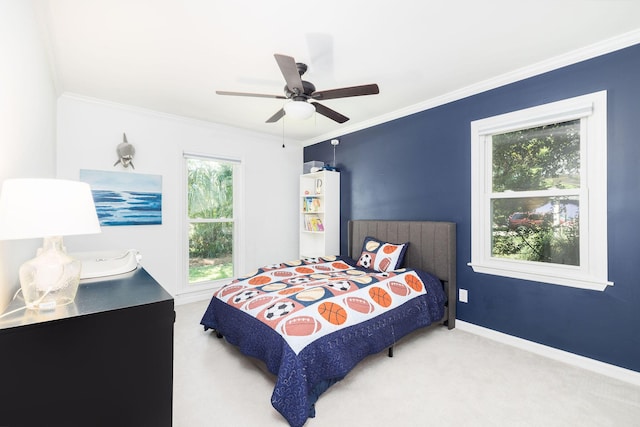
(172, 55)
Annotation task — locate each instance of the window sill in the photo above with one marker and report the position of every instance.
(570, 280)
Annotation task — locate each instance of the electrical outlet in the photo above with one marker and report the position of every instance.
(463, 295)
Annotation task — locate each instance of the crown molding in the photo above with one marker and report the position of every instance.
(177, 118)
(592, 51)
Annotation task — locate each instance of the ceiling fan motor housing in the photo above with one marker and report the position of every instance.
(308, 88)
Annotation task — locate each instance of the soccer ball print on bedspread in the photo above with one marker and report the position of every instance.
(304, 300)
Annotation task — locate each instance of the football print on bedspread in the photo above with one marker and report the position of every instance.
(398, 288)
(360, 305)
(228, 290)
(411, 282)
(258, 303)
(301, 326)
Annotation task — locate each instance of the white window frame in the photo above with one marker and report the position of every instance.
(193, 288)
(592, 273)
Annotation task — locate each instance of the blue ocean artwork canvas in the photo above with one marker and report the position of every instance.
(125, 198)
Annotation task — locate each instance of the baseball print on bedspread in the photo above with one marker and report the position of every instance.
(304, 300)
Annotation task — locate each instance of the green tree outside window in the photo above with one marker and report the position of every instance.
(210, 218)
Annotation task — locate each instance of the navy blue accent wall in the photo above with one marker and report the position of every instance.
(418, 168)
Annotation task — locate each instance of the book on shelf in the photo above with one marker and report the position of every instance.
(311, 204)
(313, 223)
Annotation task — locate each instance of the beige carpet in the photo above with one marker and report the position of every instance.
(437, 377)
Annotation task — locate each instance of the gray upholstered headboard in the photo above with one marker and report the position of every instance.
(432, 248)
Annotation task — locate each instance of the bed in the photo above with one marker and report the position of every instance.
(312, 320)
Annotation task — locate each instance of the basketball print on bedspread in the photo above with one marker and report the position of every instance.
(414, 282)
(259, 280)
(305, 270)
(333, 313)
(339, 265)
(380, 296)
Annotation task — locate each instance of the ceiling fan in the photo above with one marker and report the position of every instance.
(300, 92)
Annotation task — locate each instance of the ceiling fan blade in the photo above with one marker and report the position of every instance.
(290, 72)
(328, 112)
(345, 92)
(255, 95)
(277, 116)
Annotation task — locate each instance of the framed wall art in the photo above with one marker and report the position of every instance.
(124, 198)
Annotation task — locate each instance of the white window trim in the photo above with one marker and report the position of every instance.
(593, 270)
(206, 286)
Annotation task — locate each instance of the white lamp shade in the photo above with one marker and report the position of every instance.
(32, 208)
(299, 109)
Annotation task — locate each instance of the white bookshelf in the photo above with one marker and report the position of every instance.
(319, 214)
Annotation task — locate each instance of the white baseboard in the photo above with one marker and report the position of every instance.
(596, 366)
(196, 296)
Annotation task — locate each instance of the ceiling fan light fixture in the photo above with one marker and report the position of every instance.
(299, 110)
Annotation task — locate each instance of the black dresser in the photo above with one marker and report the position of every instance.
(104, 360)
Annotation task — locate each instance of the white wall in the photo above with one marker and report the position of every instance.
(27, 120)
(88, 133)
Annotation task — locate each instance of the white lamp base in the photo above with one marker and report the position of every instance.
(51, 278)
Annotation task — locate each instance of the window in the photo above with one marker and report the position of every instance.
(210, 219)
(539, 200)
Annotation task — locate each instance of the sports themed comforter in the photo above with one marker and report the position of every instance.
(311, 321)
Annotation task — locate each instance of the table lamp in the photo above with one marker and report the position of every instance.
(47, 208)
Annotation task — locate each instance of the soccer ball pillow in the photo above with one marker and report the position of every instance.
(381, 256)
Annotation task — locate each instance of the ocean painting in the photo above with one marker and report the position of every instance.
(123, 198)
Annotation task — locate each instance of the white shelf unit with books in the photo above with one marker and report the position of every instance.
(319, 214)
